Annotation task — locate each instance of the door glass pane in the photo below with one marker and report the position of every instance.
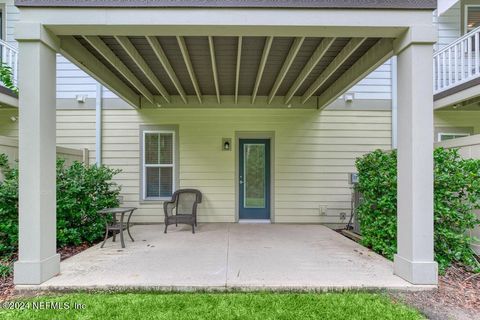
(254, 172)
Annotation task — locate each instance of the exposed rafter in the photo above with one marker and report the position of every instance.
(162, 57)
(73, 50)
(341, 57)
(211, 45)
(296, 45)
(237, 73)
(110, 56)
(140, 62)
(317, 55)
(188, 64)
(261, 67)
(372, 59)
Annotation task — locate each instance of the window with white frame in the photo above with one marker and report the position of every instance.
(443, 136)
(158, 164)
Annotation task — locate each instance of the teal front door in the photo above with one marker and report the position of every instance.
(254, 179)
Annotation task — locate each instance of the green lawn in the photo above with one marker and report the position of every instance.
(222, 306)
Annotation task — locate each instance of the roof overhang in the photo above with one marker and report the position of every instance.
(232, 57)
(325, 4)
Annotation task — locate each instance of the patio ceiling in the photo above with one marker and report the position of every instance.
(209, 71)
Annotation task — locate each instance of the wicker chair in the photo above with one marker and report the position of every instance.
(182, 208)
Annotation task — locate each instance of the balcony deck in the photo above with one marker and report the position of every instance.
(9, 59)
(457, 71)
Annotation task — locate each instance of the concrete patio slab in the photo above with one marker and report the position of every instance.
(228, 257)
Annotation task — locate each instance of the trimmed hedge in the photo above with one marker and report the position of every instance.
(456, 196)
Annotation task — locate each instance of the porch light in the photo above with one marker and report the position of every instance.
(226, 144)
(13, 118)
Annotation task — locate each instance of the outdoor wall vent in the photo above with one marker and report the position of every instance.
(348, 97)
(81, 98)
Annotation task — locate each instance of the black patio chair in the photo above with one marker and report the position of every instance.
(182, 209)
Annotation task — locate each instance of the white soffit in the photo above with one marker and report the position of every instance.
(444, 5)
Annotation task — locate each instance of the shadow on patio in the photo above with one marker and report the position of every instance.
(228, 257)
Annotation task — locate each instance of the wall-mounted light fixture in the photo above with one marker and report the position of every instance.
(13, 118)
(226, 144)
(81, 98)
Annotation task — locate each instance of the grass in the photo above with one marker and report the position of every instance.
(222, 306)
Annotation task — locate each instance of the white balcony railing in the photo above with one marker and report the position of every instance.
(457, 63)
(9, 57)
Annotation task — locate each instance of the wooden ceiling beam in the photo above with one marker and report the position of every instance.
(371, 60)
(237, 72)
(162, 57)
(292, 54)
(317, 55)
(74, 51)
(110, 56)
(261, 67)
(211, 45)
(340, 59)
(188, 64)
(130, 49)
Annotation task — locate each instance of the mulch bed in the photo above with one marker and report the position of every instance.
(457, 296)
(7, 289)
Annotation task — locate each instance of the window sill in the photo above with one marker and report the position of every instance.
(154, 201)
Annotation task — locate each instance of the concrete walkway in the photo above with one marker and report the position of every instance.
(228, 257)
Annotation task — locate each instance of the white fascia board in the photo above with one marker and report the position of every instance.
(228, 22)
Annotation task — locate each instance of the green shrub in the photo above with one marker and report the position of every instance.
(6, 77)
(456, 196)
(8, 209)
(6, 268)
(81, 191)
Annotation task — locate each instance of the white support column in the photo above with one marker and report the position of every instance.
(38, 260)
(414, 260)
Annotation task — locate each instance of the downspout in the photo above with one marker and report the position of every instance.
(98, 124)
(394, 101)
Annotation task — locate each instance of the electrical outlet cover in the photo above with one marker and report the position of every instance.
(323, 210)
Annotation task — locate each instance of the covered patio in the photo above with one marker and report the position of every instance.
(228, 257)
(204, 55)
